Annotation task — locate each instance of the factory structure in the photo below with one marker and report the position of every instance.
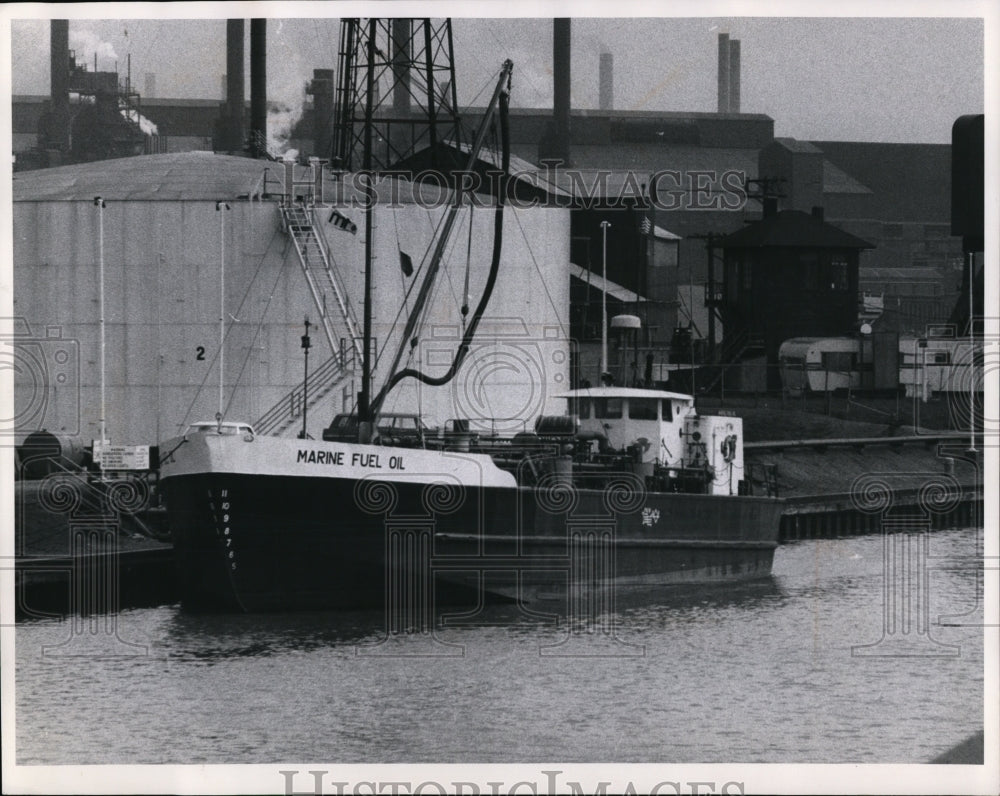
(197, 232)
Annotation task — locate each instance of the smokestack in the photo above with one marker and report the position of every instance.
(258, 86)
(401, 33)
(321, 89)
(734, 76)
(561, 66)
(723, 73)
(58, 134)
(235, 87)
(150, 85)
(555, 142)
(607, 82)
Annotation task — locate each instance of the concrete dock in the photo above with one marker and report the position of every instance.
(77, 551)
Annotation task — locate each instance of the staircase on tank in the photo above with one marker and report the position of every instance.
(339, 328)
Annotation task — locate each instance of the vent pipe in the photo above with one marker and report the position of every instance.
(258, 86)
(723, 73)
(607, 82)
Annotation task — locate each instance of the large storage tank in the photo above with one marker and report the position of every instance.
(163, 240)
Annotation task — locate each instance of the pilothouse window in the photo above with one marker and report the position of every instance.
(666, 409)
(642, 408)
(608, 408)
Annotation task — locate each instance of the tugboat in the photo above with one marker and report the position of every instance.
(629, 488)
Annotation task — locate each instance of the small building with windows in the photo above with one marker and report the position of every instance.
(790, 274)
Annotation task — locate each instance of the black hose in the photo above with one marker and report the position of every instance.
(463, 348)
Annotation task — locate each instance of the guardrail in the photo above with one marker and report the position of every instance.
(321, 381)
(859, 442)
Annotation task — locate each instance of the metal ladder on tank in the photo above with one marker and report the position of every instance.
(298, 222)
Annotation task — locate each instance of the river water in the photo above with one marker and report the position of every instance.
(770, 672)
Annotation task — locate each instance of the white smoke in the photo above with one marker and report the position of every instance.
(147, 127)
(86, 43)
(281, 120)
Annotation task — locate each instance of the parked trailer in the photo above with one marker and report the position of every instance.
(929, 365)
(819, 364)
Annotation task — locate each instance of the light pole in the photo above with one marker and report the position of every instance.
(971, 260)
(221, 207)
(99, 202)
(305, 378)
(604, 298)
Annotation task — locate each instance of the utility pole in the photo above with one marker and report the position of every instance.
(765, 188)
(712, 301)
(604, 299)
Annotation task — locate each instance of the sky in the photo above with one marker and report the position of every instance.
(851, 79)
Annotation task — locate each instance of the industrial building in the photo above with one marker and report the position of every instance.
(788, 275)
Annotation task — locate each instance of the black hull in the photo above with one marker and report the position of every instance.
(253, 542)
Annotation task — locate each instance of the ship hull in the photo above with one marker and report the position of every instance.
(254, 539)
